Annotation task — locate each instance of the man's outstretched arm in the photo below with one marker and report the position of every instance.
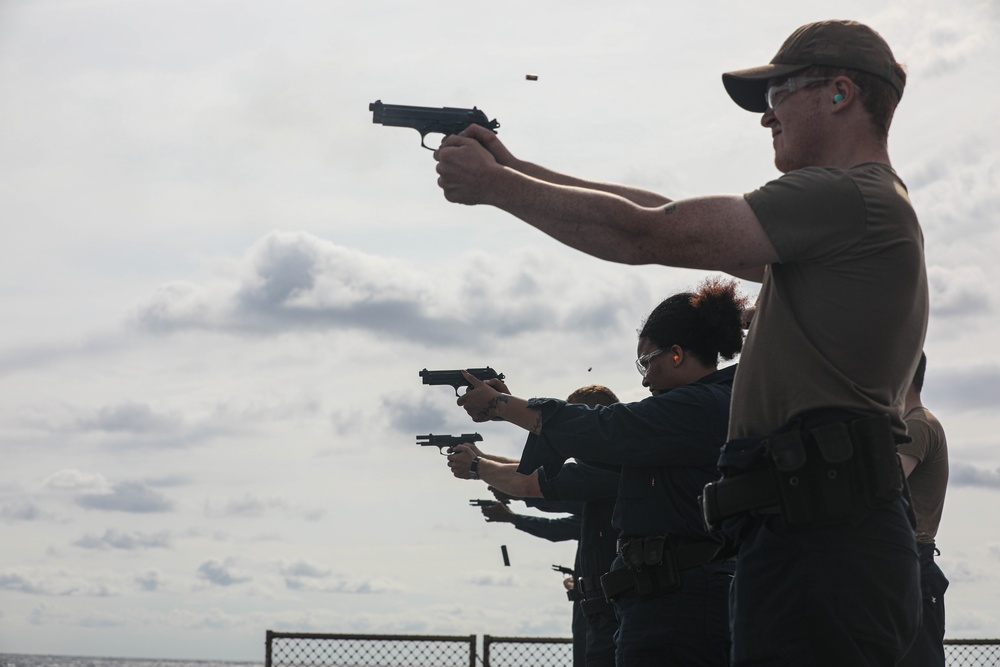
(712, 233)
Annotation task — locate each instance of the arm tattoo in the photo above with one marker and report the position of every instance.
(490, 410)
(537, 428)
(670, 208)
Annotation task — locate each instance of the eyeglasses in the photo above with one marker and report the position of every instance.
(777, 94)
(642, 363)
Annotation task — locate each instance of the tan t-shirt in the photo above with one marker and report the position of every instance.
(929, 480)
(841, 317)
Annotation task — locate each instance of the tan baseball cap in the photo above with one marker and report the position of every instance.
(846, 44)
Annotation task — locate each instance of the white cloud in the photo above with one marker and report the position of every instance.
(958, 291)
(933, 43)
(21, 511)
(965, 388)
(132, 418)
(59, 584)
(149, 581)
(294, 281)
(250, 506)
(487, 578)
(76, 480)
(221, 574)
(963, 474)
(304, 569)
(134, 497)
(342, 584)
(134, 541)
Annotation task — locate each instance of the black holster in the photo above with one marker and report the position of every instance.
(814, 476)
(653, 574)
(652, 566)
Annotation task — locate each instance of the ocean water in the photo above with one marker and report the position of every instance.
(22, 660)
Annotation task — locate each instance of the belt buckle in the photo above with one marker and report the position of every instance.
(709, 502)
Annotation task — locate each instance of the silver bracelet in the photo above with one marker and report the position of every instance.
(474, 468)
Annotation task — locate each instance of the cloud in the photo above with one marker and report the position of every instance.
(58, 584)
(958, 291)
(964, 572)
(962, 474)
(964, 389)
(371, 586)
(970, 623)
(298, 281)
(295, 281)
(938, 43)
(491, 579)
(72, 479)
(149, 581)
(21, 511)
(103, 621)
(133, 497)
(247, 506)
(220, 574)
(250, 506)
(956, 204)
(112, 539)
(133, 424)
(138, 418)
(19, 584)
(304, 569)
(423, 416)
(37, 354)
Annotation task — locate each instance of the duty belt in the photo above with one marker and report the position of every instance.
(653, 568)
(814, 476)
(595, 606)
(592, 605)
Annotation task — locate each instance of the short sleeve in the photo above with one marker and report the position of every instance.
(810, 214)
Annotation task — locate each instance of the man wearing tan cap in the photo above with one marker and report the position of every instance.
(811, 495)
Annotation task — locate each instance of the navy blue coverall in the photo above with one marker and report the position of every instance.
(668, 447)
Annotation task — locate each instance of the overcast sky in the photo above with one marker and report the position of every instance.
(220, 281)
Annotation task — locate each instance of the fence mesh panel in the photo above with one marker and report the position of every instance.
(294, 649)
(288, 649)
(526, 651)
(972, 652)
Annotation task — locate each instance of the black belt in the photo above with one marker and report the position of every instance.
(594, 605)
(814, 476)
(728, 497)
(660, 576)
(588, 584)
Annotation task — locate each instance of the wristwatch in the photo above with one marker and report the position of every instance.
(474, 468)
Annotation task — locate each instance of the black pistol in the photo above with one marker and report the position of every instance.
(455, 378)
(428, 120)
(446, 441)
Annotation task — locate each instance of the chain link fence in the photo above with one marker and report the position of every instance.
(526, 651)
(294, 649)
(972, 652)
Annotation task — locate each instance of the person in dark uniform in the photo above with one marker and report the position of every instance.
(559, 529)
(668, 589)
(596, 486)
(925, 464)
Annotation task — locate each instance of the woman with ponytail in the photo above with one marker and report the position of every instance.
(669, 585)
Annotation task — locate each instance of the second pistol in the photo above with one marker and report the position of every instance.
(455, 379)
(443, 442)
